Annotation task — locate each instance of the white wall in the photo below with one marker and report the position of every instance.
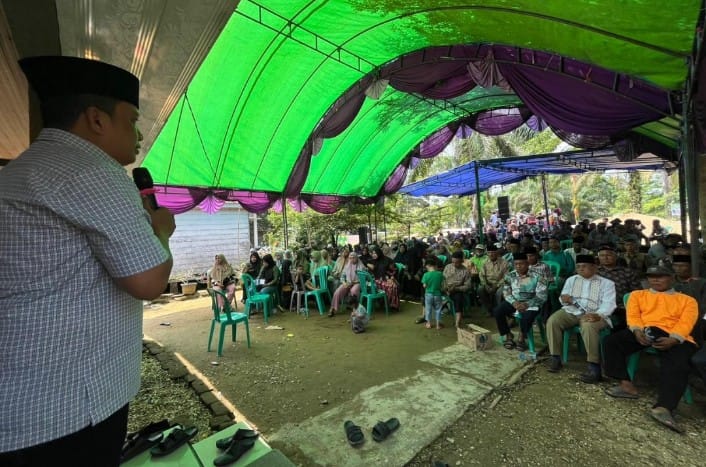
(199, 237)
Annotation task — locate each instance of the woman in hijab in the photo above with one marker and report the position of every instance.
(350, 285)
(252, 269)
(335, 276)
(316, 261)
(223, 278)
(384, 271)
(268, 278)
(364, 255)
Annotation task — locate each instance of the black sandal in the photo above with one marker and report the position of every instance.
(235, 451)
(240, 434)
(384, 429)
(140, 441)
(174, 440)
(354, 434)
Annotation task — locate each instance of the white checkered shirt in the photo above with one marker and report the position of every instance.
(71, 220)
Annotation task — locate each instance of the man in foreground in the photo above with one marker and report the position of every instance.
(663, 319)
(587, 301)
(78, 254)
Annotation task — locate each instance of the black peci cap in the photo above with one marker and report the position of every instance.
(585, 259)
(57, 76)
(681, 259)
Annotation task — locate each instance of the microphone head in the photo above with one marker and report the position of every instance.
(142, 178)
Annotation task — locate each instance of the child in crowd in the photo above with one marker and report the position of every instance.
(432, 281)
(359, 316)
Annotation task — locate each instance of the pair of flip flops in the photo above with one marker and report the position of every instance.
(235, 446)
(140, 441)
(381, 431)
(173, 441)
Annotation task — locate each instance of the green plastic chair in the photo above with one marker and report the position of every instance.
(565, 244)
(446, 300)
(553, 288)
(323, 274)
(225, 316)
(467, 254)
(576, 330)
(320, 280)
(369, 292)
(256, 298)
(530, 334)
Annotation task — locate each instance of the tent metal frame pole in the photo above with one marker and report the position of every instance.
(479, 204)
(682, 197)
(369, 234)
(284, 222)
(691, 174)
(384, 218)
(546, 201)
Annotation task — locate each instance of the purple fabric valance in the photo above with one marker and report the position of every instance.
(577, 106)
(181, 199)
(498, 121)
(434, 144)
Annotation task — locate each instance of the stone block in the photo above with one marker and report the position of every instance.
(208, 398)
(220, 422)
(218, 409)
(176, 370)
(199, 387)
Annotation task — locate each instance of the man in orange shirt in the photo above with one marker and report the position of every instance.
(661, 318)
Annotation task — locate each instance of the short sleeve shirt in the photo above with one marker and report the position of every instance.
(71, 222)
(433, 280)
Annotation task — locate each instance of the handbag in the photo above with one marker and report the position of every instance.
(230, 280)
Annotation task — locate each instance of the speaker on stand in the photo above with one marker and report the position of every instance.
(363, 235)
(503, 208)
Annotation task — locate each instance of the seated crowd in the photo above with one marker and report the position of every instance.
(604, 283)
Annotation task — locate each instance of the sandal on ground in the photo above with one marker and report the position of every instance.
(331, 313)
(420, 321)
(174, 440)
(439, 326)
(354, 434)
(382, 430)
(235, 451)
(427, 325)
(140, 441)
(521, 346)
(509, 344)
(241, 433)
(620, 393)
(663, 416)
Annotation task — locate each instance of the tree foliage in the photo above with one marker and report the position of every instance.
(579, 196)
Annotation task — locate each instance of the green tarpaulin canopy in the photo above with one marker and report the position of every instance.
(252, 118)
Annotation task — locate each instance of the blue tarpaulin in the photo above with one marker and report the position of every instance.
(461, 181)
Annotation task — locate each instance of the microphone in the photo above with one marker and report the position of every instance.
(144, 183)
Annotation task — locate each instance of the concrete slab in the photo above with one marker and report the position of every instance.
(491, 367)
(425, 403)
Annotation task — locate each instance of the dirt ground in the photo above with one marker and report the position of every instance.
(313, 364)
